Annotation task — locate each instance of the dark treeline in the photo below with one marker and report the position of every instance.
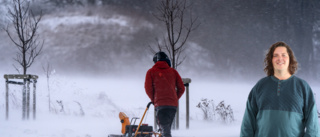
(241, 32)
(238, 33)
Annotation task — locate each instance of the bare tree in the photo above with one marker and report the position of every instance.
(26, 38)
(173, 14)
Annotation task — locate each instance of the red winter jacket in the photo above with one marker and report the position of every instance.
(163, 85)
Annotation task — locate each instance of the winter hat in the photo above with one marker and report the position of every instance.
(161, 56)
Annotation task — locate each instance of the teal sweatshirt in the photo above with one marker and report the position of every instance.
(280, 108)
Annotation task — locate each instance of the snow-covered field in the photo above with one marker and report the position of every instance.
(103, 99)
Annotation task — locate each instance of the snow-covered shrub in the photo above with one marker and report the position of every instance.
(224, 114)
(206, 106)
(61, 105)
(81, 112)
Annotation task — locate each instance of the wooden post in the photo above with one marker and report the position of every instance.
(177, 117)
(186, 82)
(187, 105)
(174, 122)
(155, 119)
(24, 100)
(7, 100)
(28, 98)
(25, 93)
(34, 98)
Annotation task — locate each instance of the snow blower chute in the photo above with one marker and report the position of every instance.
(129, 129)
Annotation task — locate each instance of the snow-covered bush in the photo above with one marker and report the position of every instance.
(206, 106)
(224, 114)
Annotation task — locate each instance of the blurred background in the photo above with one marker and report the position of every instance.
(104, 38)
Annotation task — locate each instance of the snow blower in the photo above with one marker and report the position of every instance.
(129, 129)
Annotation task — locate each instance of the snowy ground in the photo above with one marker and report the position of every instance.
(103, 99)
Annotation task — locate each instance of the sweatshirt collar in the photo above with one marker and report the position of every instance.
(277, 80)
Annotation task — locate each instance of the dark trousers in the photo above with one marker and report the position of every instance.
(165, 116)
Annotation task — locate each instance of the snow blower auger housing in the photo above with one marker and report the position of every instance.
(129, 129)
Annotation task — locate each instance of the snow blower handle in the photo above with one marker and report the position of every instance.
(136, 133)
(149, 104)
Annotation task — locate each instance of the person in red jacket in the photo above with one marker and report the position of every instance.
(164, 87)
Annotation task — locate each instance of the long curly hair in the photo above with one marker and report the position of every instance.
(293, 64)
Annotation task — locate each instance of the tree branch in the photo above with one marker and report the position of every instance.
(25, 25)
